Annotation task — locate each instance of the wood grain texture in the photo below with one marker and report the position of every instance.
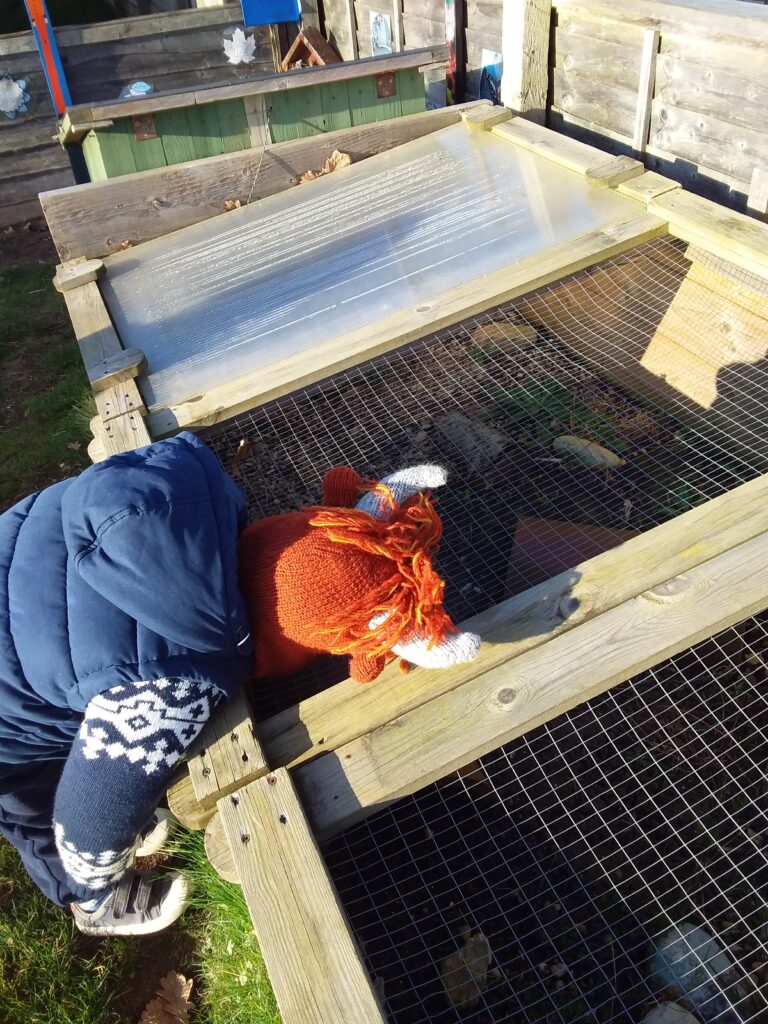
(185, 805)
(601, 60)
(93, 220)
(218, 851)
(402, 757)
(647, 186)
(604, 104)
(93, 328)
(225, 400)
(645, 89)
(732, 235)
(312, 959)
(716, 20)
(348, 710)
(76, 272)
(757, 200)
(525, 51)
(227, 753)
(81, 117)
(118, 400)
(122, 434)
(115, 368)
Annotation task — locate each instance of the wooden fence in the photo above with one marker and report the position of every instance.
(172, 50)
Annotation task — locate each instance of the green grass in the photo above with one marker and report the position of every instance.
(51, 974)
(234, 987)
(45, 404)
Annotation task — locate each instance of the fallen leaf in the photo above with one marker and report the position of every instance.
(232, 204)
(587, 452)
(334, 162)
(171, 1005)
(75, 446)
(243, 452)
(127, 244)
(465, 972)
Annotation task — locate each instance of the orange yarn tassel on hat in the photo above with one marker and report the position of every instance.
(313, 580)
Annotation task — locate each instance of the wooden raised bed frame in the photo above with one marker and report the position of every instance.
(337, 757)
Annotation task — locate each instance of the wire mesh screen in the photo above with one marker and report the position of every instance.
(588, 870)
(559, 440)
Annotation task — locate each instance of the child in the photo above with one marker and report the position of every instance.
(128, 600)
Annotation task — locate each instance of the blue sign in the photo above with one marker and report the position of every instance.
(267, 12)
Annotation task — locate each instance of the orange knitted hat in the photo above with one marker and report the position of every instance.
(314, 579)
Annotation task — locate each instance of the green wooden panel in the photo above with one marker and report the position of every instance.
(410, 88)
(174, 128)
(115, 145)
(93, 158)
(233, 125)
(207, 130)
(147, 153)
(295, 114)
(334, 97)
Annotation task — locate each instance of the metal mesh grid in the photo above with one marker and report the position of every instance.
(487, 397)
(576, 849)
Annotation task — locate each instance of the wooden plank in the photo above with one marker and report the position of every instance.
(258, 124)
(218, 851)
(708, 141)
(598, 59)
(184, 804)
(734, 95)
(118, 400)
(390, 332)
(115, 368)
(311, 956)
(647, 186)
(146, 25)
(398, 29)
(93, 328)
(576, 156)
(605, 104)
(124, 433)
(346, 711)
(93, 220)
(424, 745)
(757, 200)
(76, 272)
(726, 233)
(715, 20)
(227, 753)
(81, 117)
(525, 51)
(614, 171)
(645, 89)
(483, 119)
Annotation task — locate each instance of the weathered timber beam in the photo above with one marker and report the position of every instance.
(313, 961)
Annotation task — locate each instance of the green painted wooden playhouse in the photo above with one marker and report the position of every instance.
(170, 128)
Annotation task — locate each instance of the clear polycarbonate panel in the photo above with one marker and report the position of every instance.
(243, 291)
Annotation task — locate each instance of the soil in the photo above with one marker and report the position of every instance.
(28, 242)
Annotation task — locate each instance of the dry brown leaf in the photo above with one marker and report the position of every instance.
(127, 244)
(75, 446)
(244, 450)
(171, 1005)
(334, 162)
(465, 973)
(587, 452)
(232, 204)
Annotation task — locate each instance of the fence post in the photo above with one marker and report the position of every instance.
(525, 54)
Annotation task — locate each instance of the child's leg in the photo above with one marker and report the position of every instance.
(26, 821)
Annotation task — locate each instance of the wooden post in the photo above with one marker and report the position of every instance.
(645, 89)
(398, 31)
(525, 55)
(757, 200)
(313, 961)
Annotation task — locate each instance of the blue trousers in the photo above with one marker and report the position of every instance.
(26, 821)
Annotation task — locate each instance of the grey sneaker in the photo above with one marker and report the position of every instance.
(140, 904)
(157, 833)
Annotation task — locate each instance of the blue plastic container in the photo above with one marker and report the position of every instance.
(267, 12)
